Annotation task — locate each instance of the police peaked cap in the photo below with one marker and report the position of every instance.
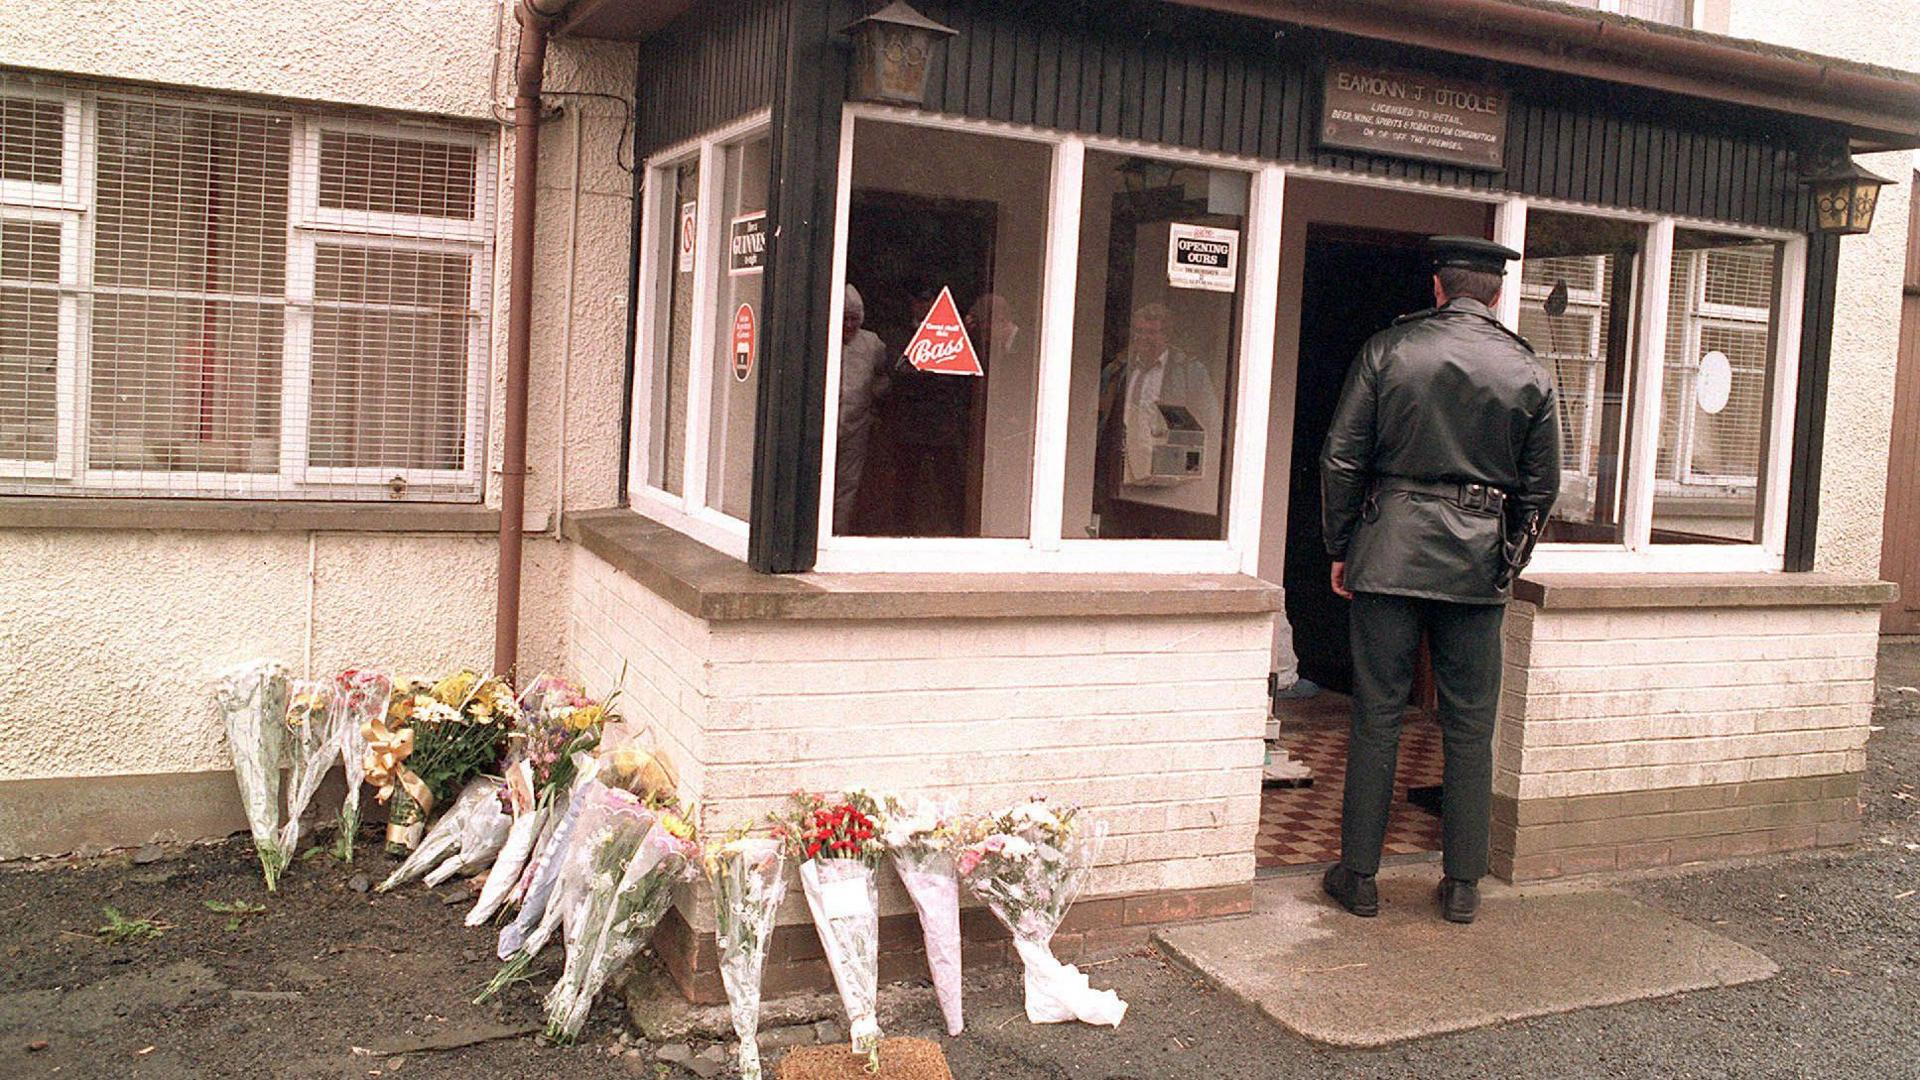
(1469, 253)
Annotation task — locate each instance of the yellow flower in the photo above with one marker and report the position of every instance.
(455, 688)
(676, 825)
(583, 718)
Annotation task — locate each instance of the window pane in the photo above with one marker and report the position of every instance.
(945, 227)
(390, 347)
(1715, 390)
(189, 269)
(32, 133)
(29, 339)
(1155, 349)
(191, 199)
(380, 174)
(184, 385)
(737, 329)
(1577, 309)
(673, 336)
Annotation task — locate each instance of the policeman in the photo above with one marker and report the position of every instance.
(1441, 465)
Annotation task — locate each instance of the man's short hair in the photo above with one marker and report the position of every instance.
(1477, 284)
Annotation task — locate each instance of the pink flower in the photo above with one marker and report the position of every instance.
(968, 859)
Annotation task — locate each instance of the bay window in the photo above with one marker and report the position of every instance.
(1055, 352)
(206, 298)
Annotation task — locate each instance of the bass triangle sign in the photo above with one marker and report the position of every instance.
(941, 345)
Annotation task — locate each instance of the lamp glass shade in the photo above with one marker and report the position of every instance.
(892, 53)
(1844, 200)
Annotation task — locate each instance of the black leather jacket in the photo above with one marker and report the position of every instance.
(1442, 396)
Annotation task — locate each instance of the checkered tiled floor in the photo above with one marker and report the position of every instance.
(1301, 826)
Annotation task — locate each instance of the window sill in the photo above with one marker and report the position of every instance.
(1587, 592)
(711, 585)
(243, 515)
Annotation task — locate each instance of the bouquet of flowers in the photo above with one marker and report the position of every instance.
(253, 703)
(477, 807)
(1027, 864)
(557, 725)
(630, 857)
(749, 879)
(359, 698)
(629, 770)
(921, 839)
(838, 846)
(432, 740)
(314, 742)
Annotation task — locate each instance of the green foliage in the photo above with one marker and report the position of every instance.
(120, 930)
(236, 910)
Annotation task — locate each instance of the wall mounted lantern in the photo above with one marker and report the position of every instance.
(1844, 196)
(892, 50)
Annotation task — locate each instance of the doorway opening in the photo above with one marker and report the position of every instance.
(1354, 256)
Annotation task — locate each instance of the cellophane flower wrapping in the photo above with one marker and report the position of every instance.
(631, 861)
(1028, 864)
(313, 743)
(749, 879)
(921, 836)
(543, 870)
(844, 899)
(558, 725)
(480, 839)
(252, 700)
(528, 816)
(443, 839)
(359, 696)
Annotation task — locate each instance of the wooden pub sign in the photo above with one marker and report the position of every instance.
(1404, 114)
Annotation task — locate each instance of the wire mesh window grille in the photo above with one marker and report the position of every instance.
(1670, 12)
(200, 298)
(1716, 384)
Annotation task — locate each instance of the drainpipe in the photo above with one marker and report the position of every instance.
(536, 17)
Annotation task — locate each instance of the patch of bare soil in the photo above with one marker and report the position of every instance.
(327, 981)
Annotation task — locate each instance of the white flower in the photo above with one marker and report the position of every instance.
(1017, 847)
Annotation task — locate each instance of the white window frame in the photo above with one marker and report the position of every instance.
(64, 204)
(1638, 553)
(1043, 548)
(687, 512)
(308, 226)
(307, 223)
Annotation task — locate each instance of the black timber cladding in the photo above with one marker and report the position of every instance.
(715, 63)
(1136, 70)
(1231, 85)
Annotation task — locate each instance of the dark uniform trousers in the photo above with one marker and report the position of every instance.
(1465, 643)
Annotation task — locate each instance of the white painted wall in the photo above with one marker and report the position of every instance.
(1153, 725)
(109, 640)
(1602, 702)
(1867, 323)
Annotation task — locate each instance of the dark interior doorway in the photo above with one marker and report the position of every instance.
(1356, 282)
(923, 470)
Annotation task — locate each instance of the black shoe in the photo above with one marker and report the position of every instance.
(1459, 900)
(1355, 892)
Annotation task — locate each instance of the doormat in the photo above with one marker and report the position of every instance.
(900, 1059)
(1534, 951)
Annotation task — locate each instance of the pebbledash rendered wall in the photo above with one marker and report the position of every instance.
(113, 624)
(1866, 323)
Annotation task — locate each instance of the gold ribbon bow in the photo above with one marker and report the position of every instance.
(387, 751)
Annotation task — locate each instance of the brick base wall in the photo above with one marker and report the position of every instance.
(1535, 839)
(796, 964)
